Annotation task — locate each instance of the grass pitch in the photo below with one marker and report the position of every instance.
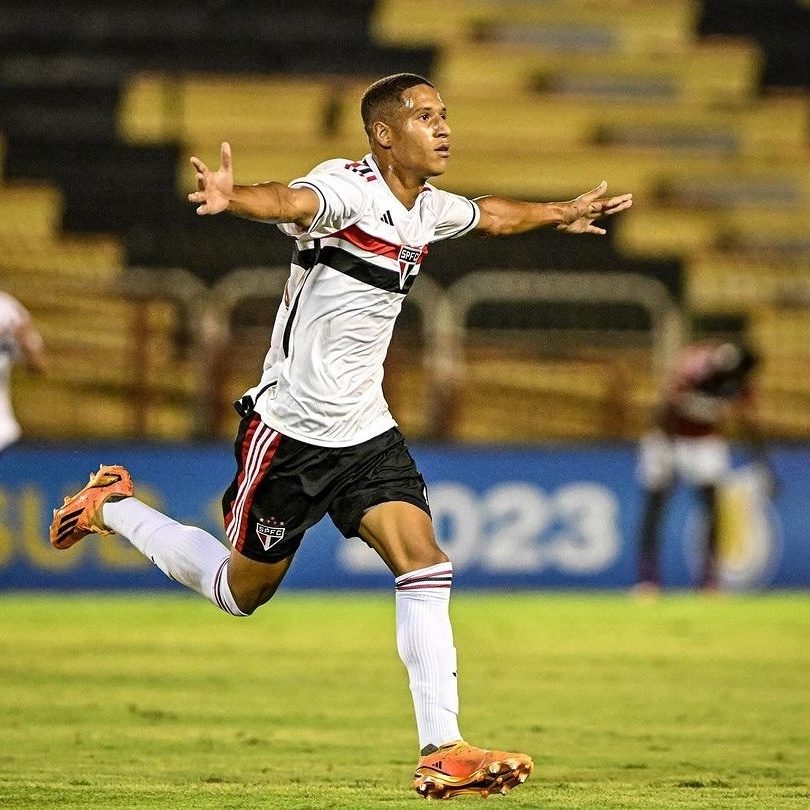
(160, 701)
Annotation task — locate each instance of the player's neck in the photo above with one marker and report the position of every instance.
(405, 185)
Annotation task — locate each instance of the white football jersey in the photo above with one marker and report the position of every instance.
(350, 271)
(12, 315)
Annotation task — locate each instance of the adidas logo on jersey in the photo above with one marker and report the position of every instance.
(387, 218)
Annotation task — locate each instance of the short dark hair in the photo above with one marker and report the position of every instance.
(381, 99)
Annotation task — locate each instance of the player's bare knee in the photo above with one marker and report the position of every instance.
(249, 601)
(417, 559)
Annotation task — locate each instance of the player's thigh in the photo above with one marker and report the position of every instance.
(402, 534)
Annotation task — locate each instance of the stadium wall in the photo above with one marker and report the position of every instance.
(510, 518)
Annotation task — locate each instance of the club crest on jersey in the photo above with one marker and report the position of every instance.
(409, 260)
(270, 532)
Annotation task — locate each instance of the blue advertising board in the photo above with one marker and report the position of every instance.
(563, 516)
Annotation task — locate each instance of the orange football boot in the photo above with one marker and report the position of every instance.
(80, 514)
(460, 768)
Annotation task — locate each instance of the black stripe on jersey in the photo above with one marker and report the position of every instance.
(473, 219)
(285, 342)
(304, 258)
(372, 274)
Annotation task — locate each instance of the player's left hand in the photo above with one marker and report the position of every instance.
(580, 213)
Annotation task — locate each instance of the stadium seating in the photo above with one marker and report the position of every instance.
(592, 395)
(82, 197)
(780, 28)
(722, 281)
(206, 107)
(30, 211)
(717, 160)
(116, 365)
(780, 332)
(563, 26)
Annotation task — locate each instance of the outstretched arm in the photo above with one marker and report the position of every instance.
(501, 216)
(32, 347)
(269, 202)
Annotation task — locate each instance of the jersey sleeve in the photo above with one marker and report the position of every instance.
(341, 198)
(455, 215)
(12, 313)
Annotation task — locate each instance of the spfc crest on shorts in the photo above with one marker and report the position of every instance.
(270, 532)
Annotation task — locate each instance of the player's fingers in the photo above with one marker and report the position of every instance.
(225, 156)
(612, 206)
(616, 204)
(595, 192)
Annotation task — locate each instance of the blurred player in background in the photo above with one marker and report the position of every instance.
(709, 387)
(20, 342)
(316, 435)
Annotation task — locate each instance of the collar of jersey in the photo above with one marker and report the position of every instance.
(369, 158)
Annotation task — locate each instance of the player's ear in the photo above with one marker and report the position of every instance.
(382, 134)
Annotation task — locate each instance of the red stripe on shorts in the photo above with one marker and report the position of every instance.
(258, 449)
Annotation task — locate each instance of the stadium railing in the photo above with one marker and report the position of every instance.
(445, 371)
(496, 356)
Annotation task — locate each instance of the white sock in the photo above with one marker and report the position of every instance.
(425, 645)
(187, 554)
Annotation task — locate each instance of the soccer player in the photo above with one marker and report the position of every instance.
(316, 435)
(709, 383)
(20, 341)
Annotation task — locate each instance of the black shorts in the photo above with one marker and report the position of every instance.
(284, 486)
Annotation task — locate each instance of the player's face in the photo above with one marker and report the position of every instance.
(421, 135)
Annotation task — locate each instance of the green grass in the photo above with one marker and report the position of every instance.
(160, 701)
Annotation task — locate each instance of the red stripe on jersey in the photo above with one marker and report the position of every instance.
(373, 244)
(257, 452)
(365, 241)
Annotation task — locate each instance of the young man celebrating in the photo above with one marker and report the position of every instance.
(316, 435)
